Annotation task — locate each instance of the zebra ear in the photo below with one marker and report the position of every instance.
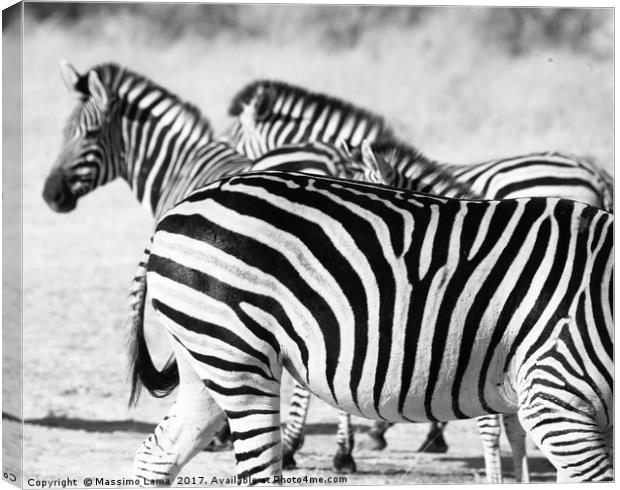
(343, 145)
(263, 103)
(73, 80)
(380, 168)
(97, 90)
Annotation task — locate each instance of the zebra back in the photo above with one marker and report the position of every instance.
(270, 114)
(405, 166)
(543, 174)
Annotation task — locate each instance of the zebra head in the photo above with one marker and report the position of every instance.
(89, 157)
(365, 165)
(255, 102)
(377, 170)
(252, 107)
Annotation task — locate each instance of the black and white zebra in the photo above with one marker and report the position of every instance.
(389, 304)
(127, 126)
(269, 113)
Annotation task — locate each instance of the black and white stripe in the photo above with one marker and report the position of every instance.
(270, 114)
(391, 305)
(127, 126)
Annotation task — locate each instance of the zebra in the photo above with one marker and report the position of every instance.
(127, 126)
(268, 271)
(271, 113)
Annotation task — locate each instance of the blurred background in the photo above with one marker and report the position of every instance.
(462, 84)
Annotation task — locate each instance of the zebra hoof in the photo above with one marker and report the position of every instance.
(373, 442)
(344, 464)
(288, 461)
(434, 445)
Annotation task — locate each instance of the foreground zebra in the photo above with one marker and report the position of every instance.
(270, 113)
(346, 285)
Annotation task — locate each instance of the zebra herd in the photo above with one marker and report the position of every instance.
(309, 237)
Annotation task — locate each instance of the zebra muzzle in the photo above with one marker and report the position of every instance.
(57, 194)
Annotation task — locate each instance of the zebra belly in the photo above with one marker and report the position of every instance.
(412, 406)
(387, 409)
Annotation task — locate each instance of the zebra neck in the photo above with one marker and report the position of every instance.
(161, 151)
(211, 162)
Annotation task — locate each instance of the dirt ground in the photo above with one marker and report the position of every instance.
(105, 449)
(456, 100)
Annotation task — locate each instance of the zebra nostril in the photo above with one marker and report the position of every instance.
(57, 196)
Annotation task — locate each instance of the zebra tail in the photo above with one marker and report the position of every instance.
(143, 371)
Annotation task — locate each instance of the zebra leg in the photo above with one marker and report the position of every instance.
(189, 426)
(568, 421)
(516, 438)
(489, 429)
(434, 442)
(343, 460)
(375, 440)
(293, 432)
(565, 403)
(255, 431)
(576, 447)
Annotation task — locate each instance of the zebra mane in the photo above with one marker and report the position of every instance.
(113, 75)
(403, 157)
(264, 94)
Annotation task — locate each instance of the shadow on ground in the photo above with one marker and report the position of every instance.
(539, 467)
(94, 425)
